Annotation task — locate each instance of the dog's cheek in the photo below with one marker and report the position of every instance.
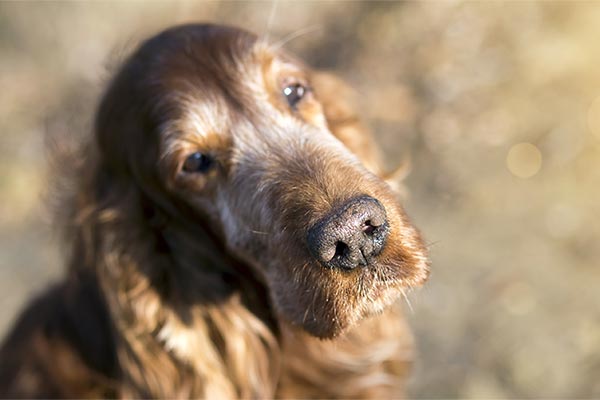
(406, 251)
(405, 254)
(403, 263)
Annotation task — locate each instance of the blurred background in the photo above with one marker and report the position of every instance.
(496, 104)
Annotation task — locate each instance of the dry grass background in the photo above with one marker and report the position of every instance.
(512, 308)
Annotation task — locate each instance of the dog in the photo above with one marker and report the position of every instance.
(232, 237)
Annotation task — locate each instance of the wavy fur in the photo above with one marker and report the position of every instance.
(200, 285)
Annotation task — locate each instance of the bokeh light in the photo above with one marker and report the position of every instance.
(524, 160)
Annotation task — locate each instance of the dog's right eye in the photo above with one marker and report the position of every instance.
(197, 162)
(294, 93)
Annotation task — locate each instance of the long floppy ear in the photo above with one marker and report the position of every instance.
(340, 105)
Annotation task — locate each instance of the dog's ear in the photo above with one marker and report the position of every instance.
(339, 103)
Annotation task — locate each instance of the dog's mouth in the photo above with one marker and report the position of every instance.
(330, 303)
(329, 263)
(360, 261)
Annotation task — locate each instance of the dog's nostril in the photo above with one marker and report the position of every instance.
(341, 250)
(368, 228)
(350, 236)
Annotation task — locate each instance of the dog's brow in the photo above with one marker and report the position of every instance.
(204, 117)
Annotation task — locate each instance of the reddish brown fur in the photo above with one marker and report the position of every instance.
(201, 285)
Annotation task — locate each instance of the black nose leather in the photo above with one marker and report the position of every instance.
(351, 235)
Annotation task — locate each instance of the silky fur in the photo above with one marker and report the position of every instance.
(201, 284)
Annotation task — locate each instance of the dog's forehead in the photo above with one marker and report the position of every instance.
(217, 78)
(225, 60)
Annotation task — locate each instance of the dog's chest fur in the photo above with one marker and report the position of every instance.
(224, 350)
(245, 360)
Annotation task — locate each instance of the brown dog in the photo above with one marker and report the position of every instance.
(229, 217)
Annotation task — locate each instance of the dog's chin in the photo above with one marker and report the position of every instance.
(346, 319)
(327, 303)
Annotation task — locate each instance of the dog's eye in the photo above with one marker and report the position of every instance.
(294, 93)
(197, 162)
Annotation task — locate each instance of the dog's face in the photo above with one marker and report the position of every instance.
(212, 121)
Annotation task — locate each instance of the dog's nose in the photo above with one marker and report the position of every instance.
(351, 235)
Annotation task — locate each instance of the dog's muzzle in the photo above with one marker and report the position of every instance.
(351, 235)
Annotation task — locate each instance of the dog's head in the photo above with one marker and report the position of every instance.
(224, 131)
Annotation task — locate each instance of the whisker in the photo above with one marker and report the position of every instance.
(305, 315)
(430, 245)
(294, 35)
(272, 14)
(412, 311)
(254, 230)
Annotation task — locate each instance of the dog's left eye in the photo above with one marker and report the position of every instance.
(197, 162)
(294, 93)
